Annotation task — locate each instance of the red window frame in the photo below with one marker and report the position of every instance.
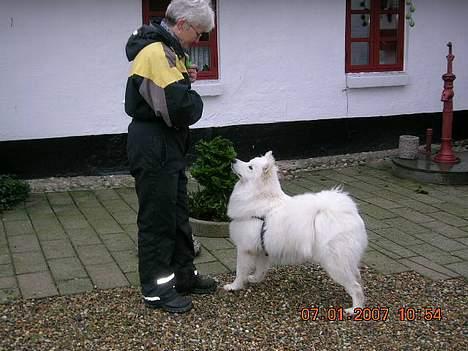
(209, 40)
(375, 37)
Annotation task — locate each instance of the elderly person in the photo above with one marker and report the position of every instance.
(162, 105)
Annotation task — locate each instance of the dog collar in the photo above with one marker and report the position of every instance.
(262, 233)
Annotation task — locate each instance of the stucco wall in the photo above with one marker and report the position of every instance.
(63, 66)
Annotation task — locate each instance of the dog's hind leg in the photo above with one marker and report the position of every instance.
(347, 277)
(262, 263)
(245, 263)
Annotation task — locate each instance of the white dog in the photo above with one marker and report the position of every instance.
(269, 226)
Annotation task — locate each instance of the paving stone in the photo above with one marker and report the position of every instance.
(5, 257)
(107, 276)
(372, 223)
(67, 268)
(383, 203)
(117, 205)
(398, 236)
(6, 270)
(383, 263)
(95, 213)
(39, 210)
(69, 210)
(449, 219)
(9, 295)
(405, 225)
(36, 285)
(227, 257)
(94, 254)
(59, 198)
(463, 241)
(8, 283)
(434, 266)
(462, 254)
(392, 249)
(419, 206)
(212, 268)
(24, 243)
(58, 249)
(83, 237)
(127, 260)
(412, 215)
(74, 222)
(440, 241)
(47, 224)
(17, 214)
(203, 257)
(106, 194)
(453, 209)
(106, 226)
(75, 286)
(215, 243)
(118, 242)
(446, 230)
(125, 217)
(376, 212)
(29, 262)
(293, 189)
(435, 254)
(133, 278)
(421, 269)
(459, 267)
(14, 228)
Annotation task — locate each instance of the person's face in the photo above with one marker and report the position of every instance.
(187, 33)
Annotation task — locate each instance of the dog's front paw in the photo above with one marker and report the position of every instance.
(232, 287)
(350, 311)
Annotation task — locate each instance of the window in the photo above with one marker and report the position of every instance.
(204, 54)
(374, 35)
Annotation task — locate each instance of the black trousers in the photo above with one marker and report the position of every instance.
(156, 156)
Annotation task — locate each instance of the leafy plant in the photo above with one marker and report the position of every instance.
(212, 170)
(12, 191)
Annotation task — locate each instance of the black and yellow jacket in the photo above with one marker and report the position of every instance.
(158, 86)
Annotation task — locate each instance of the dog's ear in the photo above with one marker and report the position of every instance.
(268, 167)
(269, 156)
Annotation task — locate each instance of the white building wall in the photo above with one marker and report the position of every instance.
(64, 69)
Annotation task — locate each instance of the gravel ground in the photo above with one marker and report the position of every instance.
(263, 317)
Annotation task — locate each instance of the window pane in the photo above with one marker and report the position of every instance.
(388, 52)
(201, 57)
(389, 4)
(360, 4)
(388, 24)
(359, 53)
(360, 26)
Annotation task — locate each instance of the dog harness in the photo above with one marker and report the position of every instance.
(262, 233)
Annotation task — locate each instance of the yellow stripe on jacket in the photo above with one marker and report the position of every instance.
(151, 63)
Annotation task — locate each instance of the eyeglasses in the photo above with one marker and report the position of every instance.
(196, 32)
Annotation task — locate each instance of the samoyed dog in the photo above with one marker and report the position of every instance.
(270, 227)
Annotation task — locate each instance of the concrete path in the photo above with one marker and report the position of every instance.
(71, 242)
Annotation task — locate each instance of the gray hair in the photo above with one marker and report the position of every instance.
(196, 12)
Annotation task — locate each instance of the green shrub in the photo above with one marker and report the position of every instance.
(12, 191)
(212, 170)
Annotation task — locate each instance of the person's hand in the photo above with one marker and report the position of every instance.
(193, 72)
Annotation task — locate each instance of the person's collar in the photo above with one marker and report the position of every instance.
(168, 28)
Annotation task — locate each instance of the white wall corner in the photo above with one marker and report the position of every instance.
(376, 79)
(208, 87)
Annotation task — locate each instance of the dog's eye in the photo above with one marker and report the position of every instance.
(250, 167)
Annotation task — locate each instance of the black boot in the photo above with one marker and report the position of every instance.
(192, 282)
(165, 297)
